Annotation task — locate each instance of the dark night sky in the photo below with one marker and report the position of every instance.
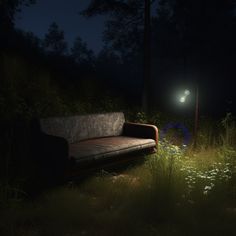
(39, 16)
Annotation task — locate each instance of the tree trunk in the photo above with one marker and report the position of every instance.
(146, 57)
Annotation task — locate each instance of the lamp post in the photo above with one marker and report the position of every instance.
(182, 99)
(196, 119)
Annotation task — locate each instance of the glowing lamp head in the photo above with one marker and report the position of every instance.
(182, 99)
(186, 92)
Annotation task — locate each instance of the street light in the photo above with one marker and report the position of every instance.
(182, 99)
(186, 92)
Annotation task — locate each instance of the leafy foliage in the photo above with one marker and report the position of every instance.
(8, 10)
(54, 41)
(81, 53)
(124, 26)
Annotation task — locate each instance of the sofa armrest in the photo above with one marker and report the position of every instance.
(140, 131)
(50, 155)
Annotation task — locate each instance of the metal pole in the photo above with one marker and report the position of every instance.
(196, 118)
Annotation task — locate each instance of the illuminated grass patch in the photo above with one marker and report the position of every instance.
(175, 192)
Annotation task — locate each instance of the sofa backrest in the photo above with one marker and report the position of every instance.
(77, 128)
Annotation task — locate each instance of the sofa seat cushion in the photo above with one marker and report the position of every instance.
(94, 149)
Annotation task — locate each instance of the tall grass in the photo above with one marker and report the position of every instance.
(175, 192)
(178, 191)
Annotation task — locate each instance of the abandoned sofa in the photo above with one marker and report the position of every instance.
(60, 145)
(99, 136)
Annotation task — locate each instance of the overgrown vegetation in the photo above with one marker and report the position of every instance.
(178, 191)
